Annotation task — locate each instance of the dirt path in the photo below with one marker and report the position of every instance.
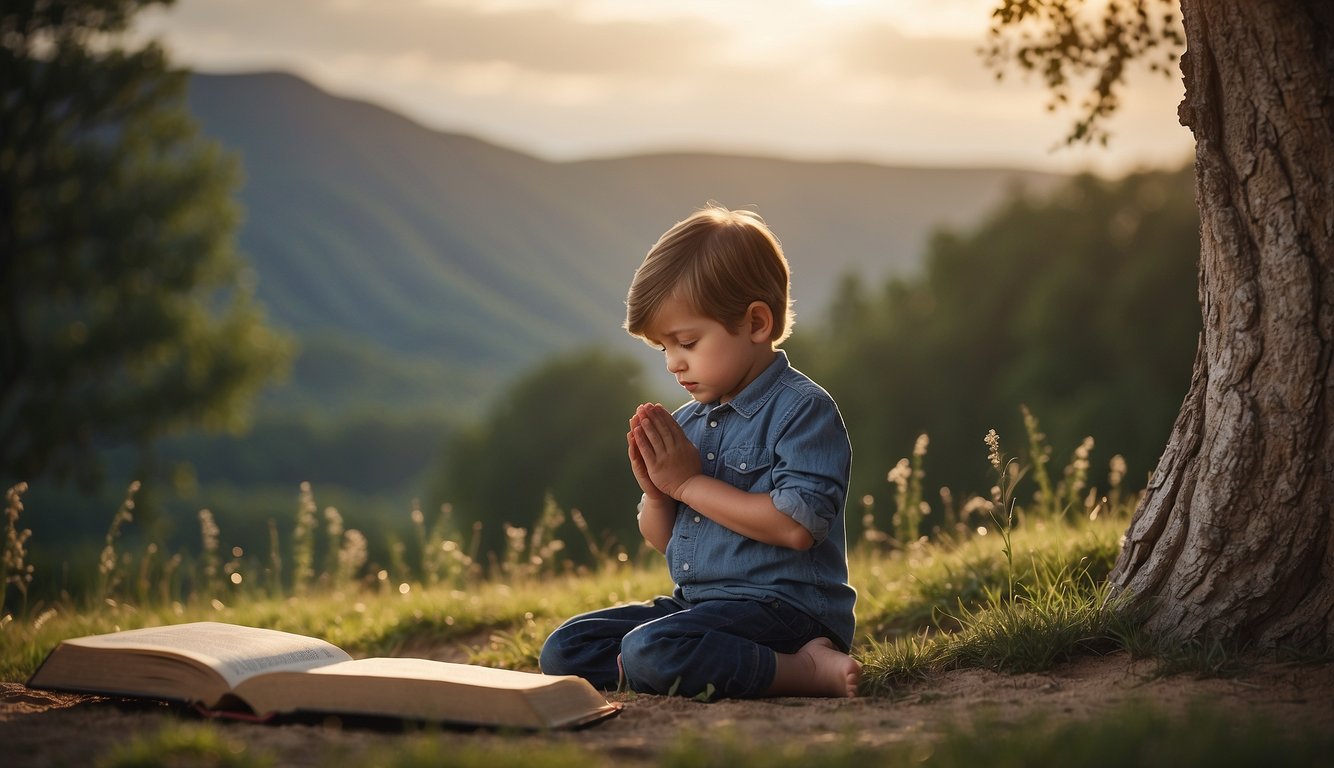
(38, 728)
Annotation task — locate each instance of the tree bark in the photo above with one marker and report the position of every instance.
(1233, 541)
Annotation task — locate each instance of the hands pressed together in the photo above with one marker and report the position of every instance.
(661, 456)
(666, 463)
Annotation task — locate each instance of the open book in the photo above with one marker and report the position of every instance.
(230, 668)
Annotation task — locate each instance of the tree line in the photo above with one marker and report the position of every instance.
(1078, 304)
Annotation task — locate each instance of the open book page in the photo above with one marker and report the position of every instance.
(430, 690)
(443, 671)
(234, 652)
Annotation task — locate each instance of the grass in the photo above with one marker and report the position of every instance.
(509, 618)
(1136, 734)
(966, 606)
(186, 744)
(996, 584)
(932, 588)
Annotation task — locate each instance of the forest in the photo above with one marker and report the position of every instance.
(1093, 338)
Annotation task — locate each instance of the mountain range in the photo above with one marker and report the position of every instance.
(421, 268)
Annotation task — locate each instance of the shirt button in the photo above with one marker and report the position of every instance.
(685, 566)
(709, 456)
(697, 518)
(713, 423)
(743, 465)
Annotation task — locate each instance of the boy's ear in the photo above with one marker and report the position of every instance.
(759, 322)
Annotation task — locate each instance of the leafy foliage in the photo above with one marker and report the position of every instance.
(1073, 40)
(558, 431)
(361, 452)
(124, 312)
(1080, 305)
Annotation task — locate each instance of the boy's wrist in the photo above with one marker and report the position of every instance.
(679, 493)
(646, 500)
(654, 495)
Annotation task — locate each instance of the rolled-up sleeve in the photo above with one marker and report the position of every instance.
(812, 459)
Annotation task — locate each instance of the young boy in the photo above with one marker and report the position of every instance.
(743, 488)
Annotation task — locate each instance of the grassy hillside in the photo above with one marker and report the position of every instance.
(420, 272)
(367, 230)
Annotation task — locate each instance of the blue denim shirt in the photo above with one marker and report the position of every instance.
(782, 435)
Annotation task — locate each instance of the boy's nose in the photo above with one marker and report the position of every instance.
(675, 363)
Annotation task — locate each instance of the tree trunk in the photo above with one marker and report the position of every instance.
(1234, 539)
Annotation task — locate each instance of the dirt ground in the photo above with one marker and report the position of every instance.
(39, 728)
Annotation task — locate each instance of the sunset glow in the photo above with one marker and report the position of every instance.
(887, 82)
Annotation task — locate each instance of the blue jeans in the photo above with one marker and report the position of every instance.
(668, 646)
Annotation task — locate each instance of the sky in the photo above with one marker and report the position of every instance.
(887, 81)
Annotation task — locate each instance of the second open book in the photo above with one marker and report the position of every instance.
(230, 668)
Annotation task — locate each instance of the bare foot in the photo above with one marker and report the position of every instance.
(818, 669)
(838, 671)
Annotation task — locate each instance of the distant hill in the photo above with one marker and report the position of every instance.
(419, 267)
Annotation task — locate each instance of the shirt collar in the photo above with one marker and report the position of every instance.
(751, 399)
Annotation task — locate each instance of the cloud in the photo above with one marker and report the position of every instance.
(574, 78)
(881, 50)
(547, 37)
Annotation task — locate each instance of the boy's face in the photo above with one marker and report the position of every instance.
(711, 361)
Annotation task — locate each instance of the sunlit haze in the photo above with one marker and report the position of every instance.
(895, 82)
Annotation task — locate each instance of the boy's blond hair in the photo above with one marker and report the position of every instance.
(718, 261)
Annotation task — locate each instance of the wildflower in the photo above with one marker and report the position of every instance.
(1118, 471)
(208, 533)
(352, 555)
(870, 533)
(1036, 436)
(1076, 474)
(106, 561)
(303, 544)
(515, 535)
(333, 523)
(1081, 461)
(993, 448)
(919, 448)
(899, 475)
(333, 532)
(13, 568)
(208, 530)
(977, 506)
